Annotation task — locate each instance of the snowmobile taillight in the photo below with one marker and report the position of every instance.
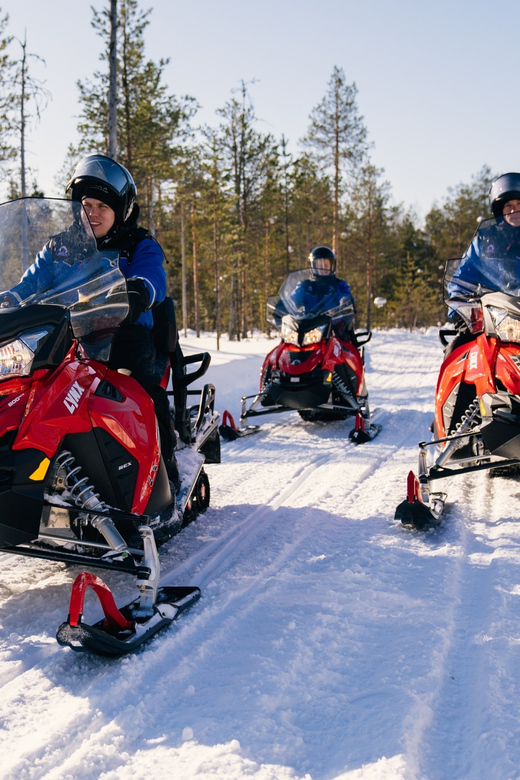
(507, 327)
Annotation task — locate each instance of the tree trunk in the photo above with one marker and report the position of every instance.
(218, 324)
(183, 274)
(23, 184)
(151, 211)
(337, 174)
(112, 95)
(369, 273)
(195, 271)
(232, 307)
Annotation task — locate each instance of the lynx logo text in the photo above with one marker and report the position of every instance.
(71, 400)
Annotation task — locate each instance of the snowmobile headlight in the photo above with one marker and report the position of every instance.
(314, 335)
(15, 359)
(289, 335)
(506, 326)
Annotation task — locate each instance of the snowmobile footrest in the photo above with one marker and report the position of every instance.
(119, 632)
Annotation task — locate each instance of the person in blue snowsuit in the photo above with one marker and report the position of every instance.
(324, 290)
(495, 249)
(108, 193)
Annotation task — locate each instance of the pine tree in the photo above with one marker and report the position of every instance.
(367, 237)
(7, 78)
(416, 303)
(337, 137)
(29, 98)
(247, 155)
(450, 227)
(151, 123)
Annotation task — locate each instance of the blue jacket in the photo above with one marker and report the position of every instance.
(324, 292)
(492, 258)
(146, 263)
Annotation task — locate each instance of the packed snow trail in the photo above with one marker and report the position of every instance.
(330, 643)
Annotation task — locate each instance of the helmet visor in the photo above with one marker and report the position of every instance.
(105, 170)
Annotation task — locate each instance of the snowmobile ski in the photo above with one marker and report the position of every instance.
(230, 432)
(120, 631)
(364, 431)
(414, 513)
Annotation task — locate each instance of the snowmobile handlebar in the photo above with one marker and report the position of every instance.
(444, 332)
(363, 337)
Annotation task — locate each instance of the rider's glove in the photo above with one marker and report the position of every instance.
(138, 299)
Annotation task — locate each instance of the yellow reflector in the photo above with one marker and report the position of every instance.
(329, 378)
(482, 408)
(41, 471)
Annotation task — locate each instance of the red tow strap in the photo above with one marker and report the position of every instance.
(412, 488)
(227, 419)
(114, 620)
(360, 423)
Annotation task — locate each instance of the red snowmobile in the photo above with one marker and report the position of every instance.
(82, 479)
(477, 402)
(317, 369)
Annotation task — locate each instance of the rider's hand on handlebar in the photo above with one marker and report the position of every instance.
(138, 298)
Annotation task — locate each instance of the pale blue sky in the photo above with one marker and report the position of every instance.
(437, 81)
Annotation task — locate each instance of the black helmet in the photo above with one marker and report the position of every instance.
(504, 188)
(323, 252)
(102, 178)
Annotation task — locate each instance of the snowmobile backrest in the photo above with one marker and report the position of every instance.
(165, 333)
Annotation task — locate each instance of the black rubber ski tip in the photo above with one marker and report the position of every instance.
(361, 436)
(229, 433)
(416, 515)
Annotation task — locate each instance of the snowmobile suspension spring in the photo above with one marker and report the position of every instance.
(468, 417)
(466, 420)
(85, 498)
(341, 387)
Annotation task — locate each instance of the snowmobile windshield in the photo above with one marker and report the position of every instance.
(303, 296)
(491, 263)
(48, 255)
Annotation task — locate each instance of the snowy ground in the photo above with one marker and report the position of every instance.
(329, 644)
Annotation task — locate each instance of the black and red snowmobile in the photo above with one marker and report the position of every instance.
(82, 480)
(477, 402)
(317, 369)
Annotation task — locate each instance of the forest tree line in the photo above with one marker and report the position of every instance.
(233, 208)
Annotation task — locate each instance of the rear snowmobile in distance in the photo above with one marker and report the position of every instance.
(317, 369)
(82, 479)
(477, 402)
